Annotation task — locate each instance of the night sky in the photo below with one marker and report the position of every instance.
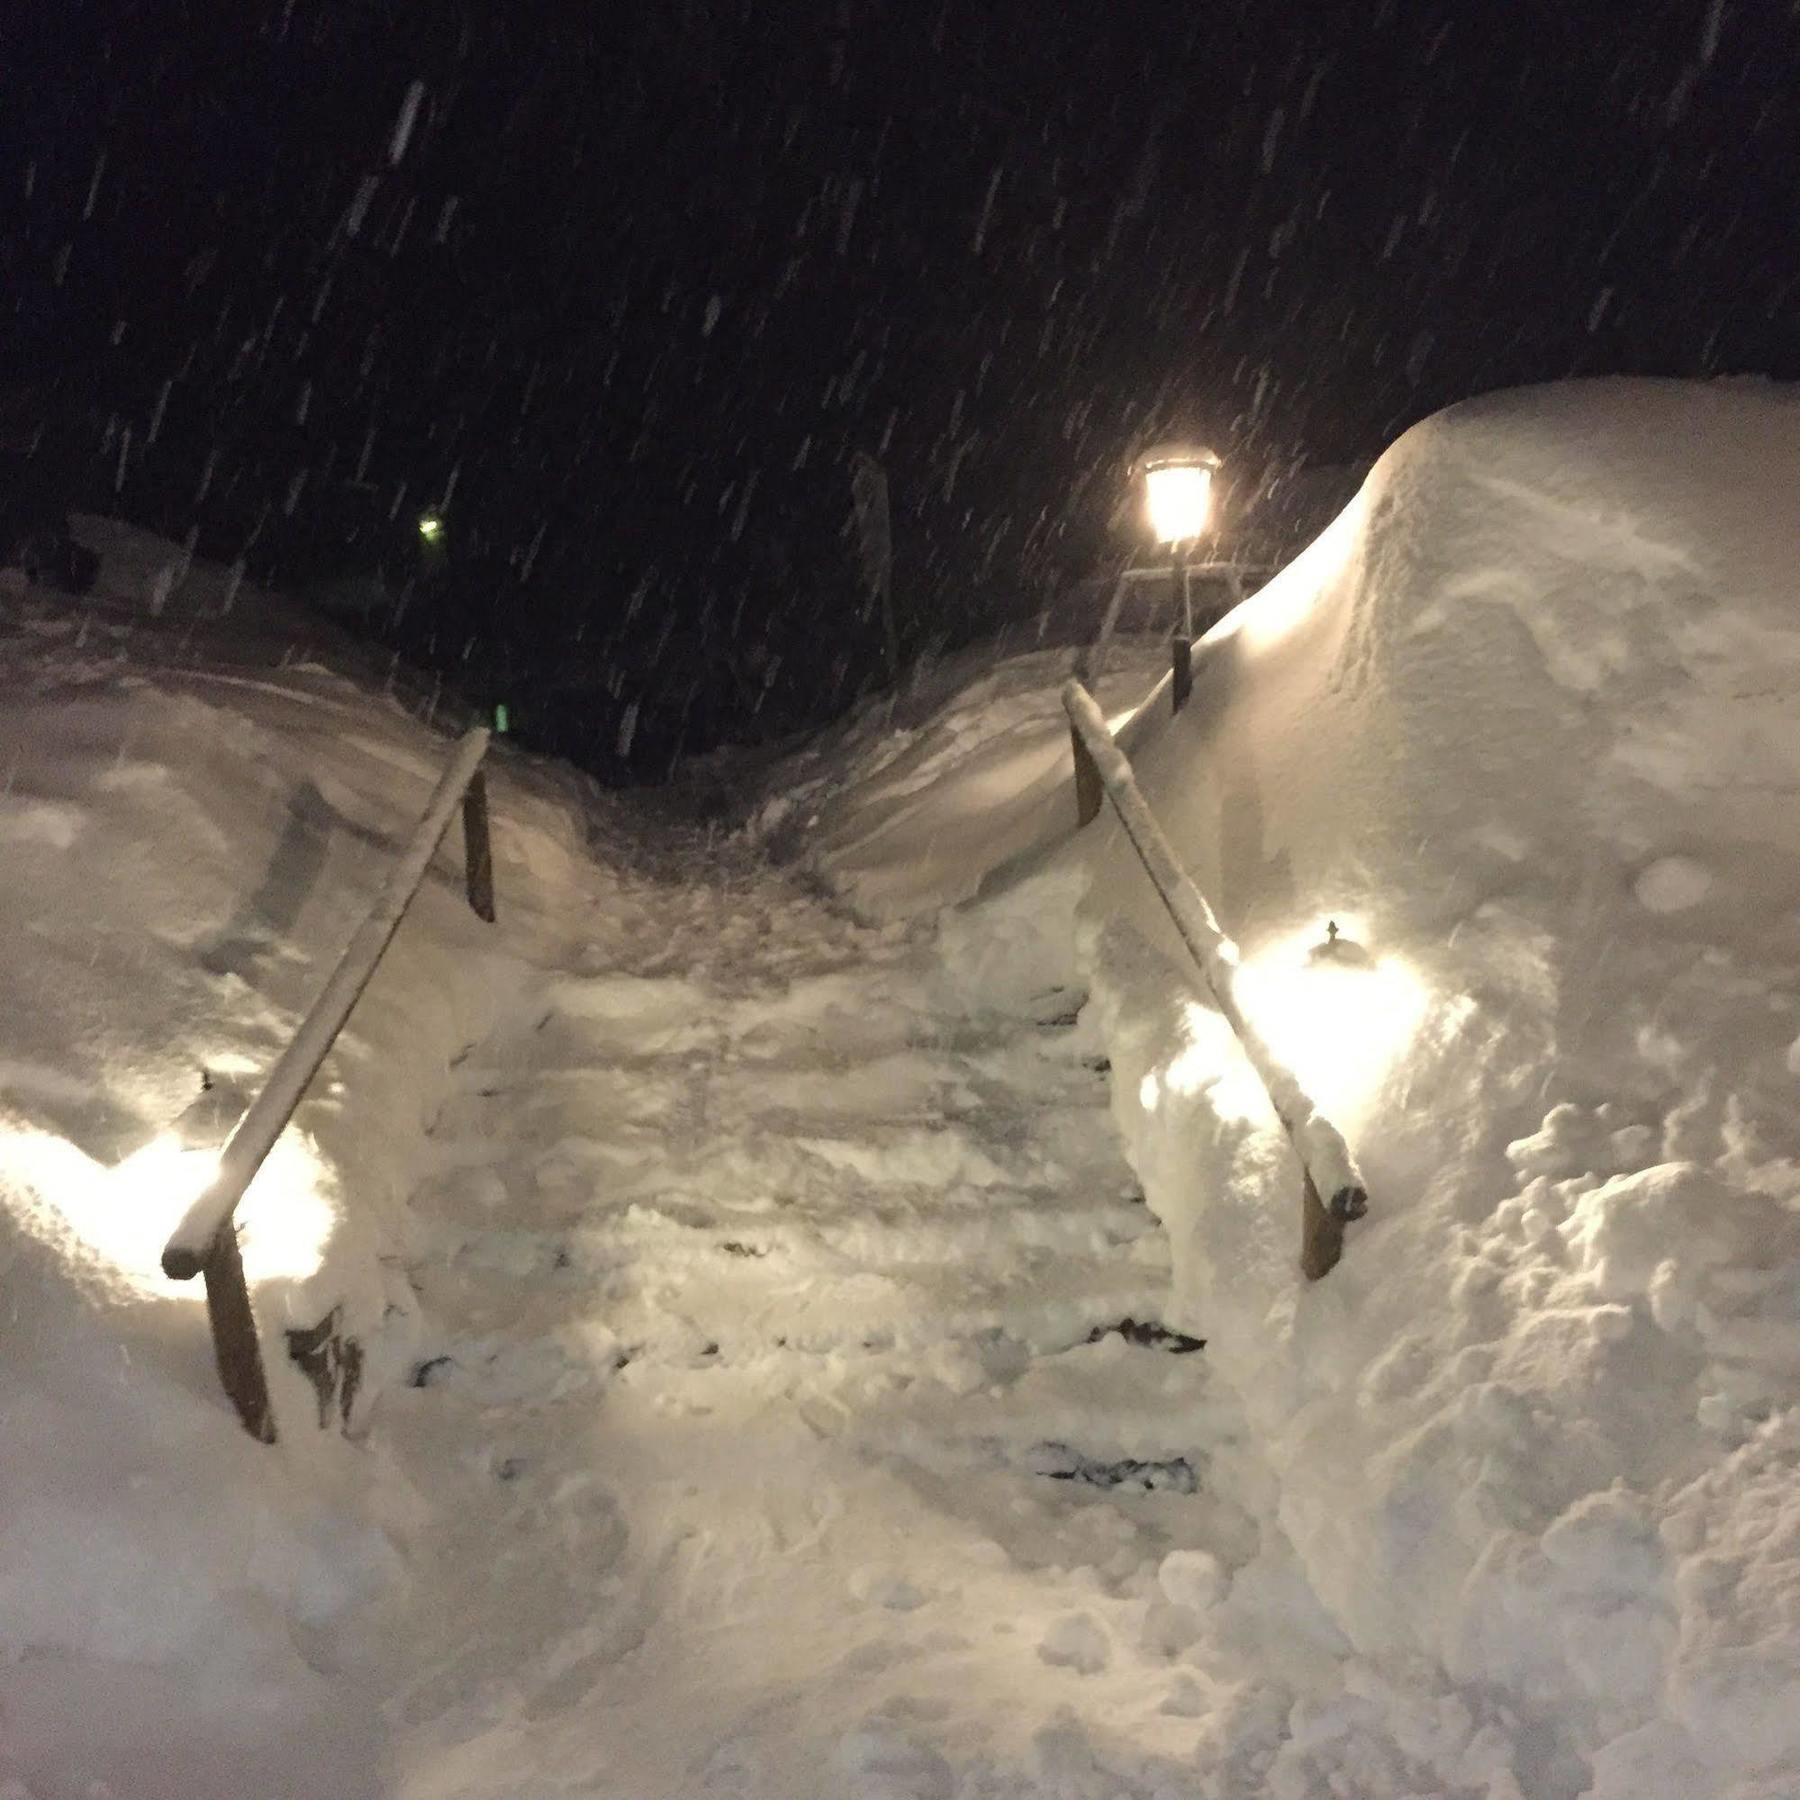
(640, 281)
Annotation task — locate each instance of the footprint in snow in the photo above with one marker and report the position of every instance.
(1077, 1643)
(884, 1587)
(885, 1764)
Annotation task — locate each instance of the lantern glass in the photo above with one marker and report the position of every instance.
(1178, 498)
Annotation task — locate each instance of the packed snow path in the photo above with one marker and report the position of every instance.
(758, 1422)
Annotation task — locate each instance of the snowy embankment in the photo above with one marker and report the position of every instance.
(1523, 723)
(912, 805)
(767, 1422)
(191, 825)
(760, 1402)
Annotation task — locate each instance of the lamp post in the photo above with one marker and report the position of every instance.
(1178, 483)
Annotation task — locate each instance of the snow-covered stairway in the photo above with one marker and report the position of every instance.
(759, 1275)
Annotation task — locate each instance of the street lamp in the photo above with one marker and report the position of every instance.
(1178, 483)
(431, 527)
(1178, 492)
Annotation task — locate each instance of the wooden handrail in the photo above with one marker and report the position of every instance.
(1324, 1156)
(205, 1242)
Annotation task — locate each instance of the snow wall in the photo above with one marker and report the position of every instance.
(188, 844)
(1523, 723)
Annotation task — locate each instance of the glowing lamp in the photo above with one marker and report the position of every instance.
(1178, 481)
(431, 527)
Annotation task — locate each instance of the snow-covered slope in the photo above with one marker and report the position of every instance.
(737, 1273)
(190, 821)
(1524, 723)
(909, 806)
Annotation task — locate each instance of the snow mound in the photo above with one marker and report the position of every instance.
(194, 817)
(911, 805)
(1523, 723)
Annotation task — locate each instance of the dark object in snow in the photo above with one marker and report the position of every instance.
(333, 1363)
(1065, 1015)
(1062, 1463)
(509, 1468)
(431, 1371)
(732, 1247)
(237, 1352)
(1100, 1065)
(1150, 1336)
(1345, 952)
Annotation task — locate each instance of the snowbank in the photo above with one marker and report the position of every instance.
(908, 807)
(191, 822)
(1523, 723)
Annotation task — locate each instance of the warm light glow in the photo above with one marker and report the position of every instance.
(122, 1217)
(1210, 1061)
(1319, 572)
(1339, 1020)
(431, 527)
(1178, 498)
(1215, 1060)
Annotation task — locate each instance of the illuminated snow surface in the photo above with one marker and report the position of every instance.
(726, 1230)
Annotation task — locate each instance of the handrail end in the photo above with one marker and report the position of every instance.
(180, 1262)
(1349, 1203)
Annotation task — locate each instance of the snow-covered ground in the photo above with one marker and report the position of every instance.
(739, 1241)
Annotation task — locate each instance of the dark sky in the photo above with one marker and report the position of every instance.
(646, 276)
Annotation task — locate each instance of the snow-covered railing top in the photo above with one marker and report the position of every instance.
(1324, 1156)
(205, 1242)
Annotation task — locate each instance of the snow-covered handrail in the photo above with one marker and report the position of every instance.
(1324, 1156)
(205, 1241)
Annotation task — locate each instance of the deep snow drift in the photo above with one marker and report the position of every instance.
(736, 1274)
(191, 818)
(1523, 723)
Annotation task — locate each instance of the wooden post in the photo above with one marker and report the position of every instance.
(1182, 671)
(478, 847)
(1087, 781)
(235, 1348)
(1321, 1234)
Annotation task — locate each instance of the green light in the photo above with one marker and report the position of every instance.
(431, 527)
(500, 716)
